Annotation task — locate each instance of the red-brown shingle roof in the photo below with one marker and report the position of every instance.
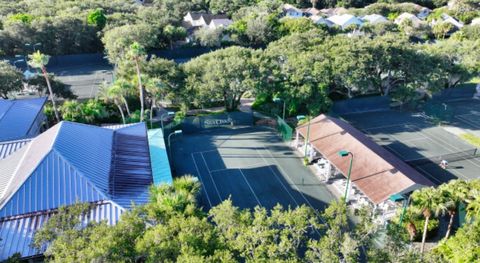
(376, 172)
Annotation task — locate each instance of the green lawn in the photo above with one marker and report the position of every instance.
(470, 138)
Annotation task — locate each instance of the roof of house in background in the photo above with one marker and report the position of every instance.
(311, 11)
(321, 20)
(70, 163)
(206, 16)
(18, 116)
(291, 8)
(220, 22)
(376, 172)
(158, 154)
(375, 18)
(448, 19)
(345, 20)
(408, 16)
(333, 11)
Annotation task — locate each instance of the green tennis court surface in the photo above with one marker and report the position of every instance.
(420, 143)
(250, 165)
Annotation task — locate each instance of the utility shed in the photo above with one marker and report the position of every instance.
(376, 172)
(20, 119)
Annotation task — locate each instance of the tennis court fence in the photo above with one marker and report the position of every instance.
(450, 157)
(284, 129)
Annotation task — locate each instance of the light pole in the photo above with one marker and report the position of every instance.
(303, 117)
(170, 135)
(345, 153)
(277, 100)
(170, 113)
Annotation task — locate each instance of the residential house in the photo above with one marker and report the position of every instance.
(333, 11)
(408, 17)
(110, 168)
(22, 118)
(193, 21)
(291, 11)
(311, 12)
(219, 23)
(448, 19)
(345, 20)
(424, 12)
(374, 19)
(475, 22)
(321, 21)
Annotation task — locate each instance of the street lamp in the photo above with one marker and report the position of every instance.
(169, 113)
(170, 135)
(303, 117)
(277, 100)
(345, 153)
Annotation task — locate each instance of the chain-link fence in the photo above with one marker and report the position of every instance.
(284, 129)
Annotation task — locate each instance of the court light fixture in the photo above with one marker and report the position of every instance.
(168, 113)
(169, 136)
(345, 153)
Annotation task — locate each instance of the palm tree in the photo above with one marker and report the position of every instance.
(39, 60)
(473, 202)
(126, 89)
(112, 93)
(135, 53)
(452, 194)
(425, 201)
(156, 88)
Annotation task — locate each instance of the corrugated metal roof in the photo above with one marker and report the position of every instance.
(71, 163)
(9, 147)
(131, 168)
(17, 233)
(18, 116)
(158, 155)
(54, 183)
(376, 172)
(88, 148)
(86, 157)
(16, 168)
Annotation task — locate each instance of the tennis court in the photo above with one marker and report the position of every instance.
(250, 165)
(466, 114)
(419, 143)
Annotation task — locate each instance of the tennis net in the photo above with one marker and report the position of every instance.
(450, 157)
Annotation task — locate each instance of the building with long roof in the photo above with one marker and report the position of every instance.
(376, 172)
(108, 167)
(20, 119)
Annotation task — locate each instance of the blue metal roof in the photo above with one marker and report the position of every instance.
(18, 116)
(70, 163)
(16, 234)
(9, 147)
(87, 148)
(158, 154)
(131, 167)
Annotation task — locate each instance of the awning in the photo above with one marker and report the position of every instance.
(159, 158)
